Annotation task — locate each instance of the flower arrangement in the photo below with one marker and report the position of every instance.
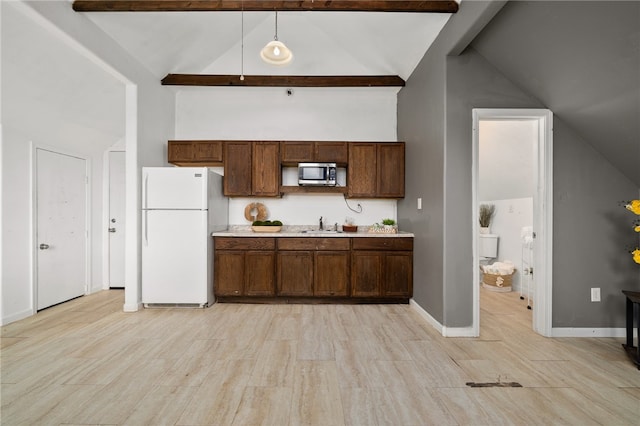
(634, 206)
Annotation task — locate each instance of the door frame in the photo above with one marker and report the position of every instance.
(34, 217)
(542, 212)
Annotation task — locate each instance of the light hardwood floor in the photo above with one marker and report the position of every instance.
(87, 362)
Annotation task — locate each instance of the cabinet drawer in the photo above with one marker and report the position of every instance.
(242, 243)
(313, 243)
(383, 243)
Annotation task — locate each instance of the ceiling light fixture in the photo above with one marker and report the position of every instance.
(275, 52)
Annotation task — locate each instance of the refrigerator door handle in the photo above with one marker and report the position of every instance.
(145, 191)
(145, 219)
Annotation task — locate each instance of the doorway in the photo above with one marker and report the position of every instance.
(542, 180)
(61, 227)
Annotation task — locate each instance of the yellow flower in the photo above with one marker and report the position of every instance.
(634, 206)
(637, 228)
(636, 255)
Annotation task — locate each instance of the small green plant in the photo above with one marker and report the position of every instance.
(389, 222)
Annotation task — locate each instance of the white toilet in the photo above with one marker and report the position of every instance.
(487, 248)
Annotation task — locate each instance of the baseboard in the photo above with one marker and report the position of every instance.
(444, 331)
(17, 316)
(459, 332)
(132, 307)
(588, 332)
(425, 315)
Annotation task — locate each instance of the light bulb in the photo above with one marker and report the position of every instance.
(276, 51)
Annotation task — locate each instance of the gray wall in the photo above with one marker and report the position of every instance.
(591, 234)
(421, 124)
(586, 190)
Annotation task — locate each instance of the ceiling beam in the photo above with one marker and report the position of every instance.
(435, 6)
(283, 80)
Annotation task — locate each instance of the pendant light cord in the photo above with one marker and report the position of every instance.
(276, 37)
(242, 41)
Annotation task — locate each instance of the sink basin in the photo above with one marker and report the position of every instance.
(319, 231)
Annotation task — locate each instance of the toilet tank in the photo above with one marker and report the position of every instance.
(488, 245)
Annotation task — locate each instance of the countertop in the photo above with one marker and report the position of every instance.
(298, 231)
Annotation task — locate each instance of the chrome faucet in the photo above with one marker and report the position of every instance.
(321, 228)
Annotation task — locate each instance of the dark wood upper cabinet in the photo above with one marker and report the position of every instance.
(254, 168)
(294, 152)
(361, 172)
(376, 170)
(237, 168)
(251, 168)
(332, 152)
(266, 174)
(390, 178)
(200, 153)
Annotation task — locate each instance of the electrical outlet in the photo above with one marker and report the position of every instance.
(595, 294)
(419, 203)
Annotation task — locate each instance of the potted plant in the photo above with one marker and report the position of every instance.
(266, 226)
(388, 226)
(485, 216)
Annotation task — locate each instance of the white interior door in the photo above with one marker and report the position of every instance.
(116, 218)
(61, 227)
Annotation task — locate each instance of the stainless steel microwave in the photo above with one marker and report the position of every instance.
(317, 174)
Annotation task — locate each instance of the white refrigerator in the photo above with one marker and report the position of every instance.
(181, 207)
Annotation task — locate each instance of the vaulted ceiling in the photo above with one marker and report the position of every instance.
(582, 61)
(323, 43)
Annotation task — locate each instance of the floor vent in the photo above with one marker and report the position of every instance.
(494, 385)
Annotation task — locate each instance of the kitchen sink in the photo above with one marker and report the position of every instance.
(320, 231)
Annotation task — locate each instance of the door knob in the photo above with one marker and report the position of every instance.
(112, 229)
(44, 246)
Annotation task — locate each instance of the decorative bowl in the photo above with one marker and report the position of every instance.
(266, 228)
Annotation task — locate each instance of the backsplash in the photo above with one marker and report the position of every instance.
(306, 209)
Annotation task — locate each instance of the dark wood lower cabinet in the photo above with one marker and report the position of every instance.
(331, 274)
(356, 269)
(244, 267)
(259, 267)
(397, 274)
(366, 274)
(295, 273)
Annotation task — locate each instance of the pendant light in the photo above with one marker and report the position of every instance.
(275, 52)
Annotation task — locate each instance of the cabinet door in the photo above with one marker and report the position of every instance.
(398, 274)
(259, 273)
(331, 152)
(295, 273)
(228, 273)
(390, 176)
(180, 152)
(331, 273)
(237, 168)
(292, 153)
(266, 169)
(361, 172)
(208, 151)
(366, 274)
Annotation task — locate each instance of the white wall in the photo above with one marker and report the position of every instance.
(66, 113)
(353, 114)
(505, 159)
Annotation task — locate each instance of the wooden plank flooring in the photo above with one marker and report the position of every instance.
(87, 363)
